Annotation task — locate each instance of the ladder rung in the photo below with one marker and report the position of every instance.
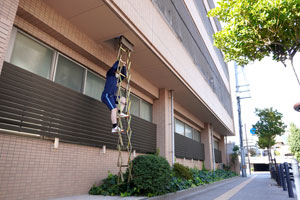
(120, 74)
(123, 116)
(122, 61)
(123, 49)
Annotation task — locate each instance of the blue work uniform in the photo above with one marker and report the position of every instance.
(108, 96)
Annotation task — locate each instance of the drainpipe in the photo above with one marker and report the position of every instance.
(172, 127)
(212, 146)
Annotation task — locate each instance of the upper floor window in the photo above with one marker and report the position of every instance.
(36, 57)
(69, 74)
(186, 130)
(94, 85)
(140, 108)
(31, 55)
(216, 144)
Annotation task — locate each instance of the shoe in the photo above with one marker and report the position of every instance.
(117, 130)
(123, 115)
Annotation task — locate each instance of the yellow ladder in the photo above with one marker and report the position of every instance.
(124, 53)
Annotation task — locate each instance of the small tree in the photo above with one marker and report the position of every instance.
(294, 140)
(256, 29)
(234, 155)
(268, 127)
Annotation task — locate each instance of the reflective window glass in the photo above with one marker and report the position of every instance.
(32, 56)
(69, 74)
(94, 85)
(188, 131)
(135, 105)
(146, 111)
(196, 135)
(179, 127)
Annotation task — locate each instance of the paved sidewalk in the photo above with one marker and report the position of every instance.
(259, 186)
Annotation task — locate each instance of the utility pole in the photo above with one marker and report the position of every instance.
(247, 149)
(238, 98)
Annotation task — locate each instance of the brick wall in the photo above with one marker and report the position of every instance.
(31, 169)
(8, 10)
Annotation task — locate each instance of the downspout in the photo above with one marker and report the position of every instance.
(172, 127)
(212, 146)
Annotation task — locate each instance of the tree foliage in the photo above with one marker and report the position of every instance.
(255, 29)
(294, 140)
(268, 126)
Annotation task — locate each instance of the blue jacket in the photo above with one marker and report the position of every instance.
(111, 80)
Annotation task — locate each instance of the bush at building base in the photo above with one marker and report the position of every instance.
(153, 176)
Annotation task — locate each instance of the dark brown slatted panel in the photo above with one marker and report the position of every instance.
(218, 156)
(188, 148)
(32, 104)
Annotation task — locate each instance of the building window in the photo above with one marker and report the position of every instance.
(196, 135)
(216, 145)
(69, 74)
(179, 127)
(94, 85)
(146, 110)
(140, 108)
(37, 58)
(135, 105)
(186, 130)
(32, 56)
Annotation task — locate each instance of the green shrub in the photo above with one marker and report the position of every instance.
(182, 171)
(151, 174)
(111, 187)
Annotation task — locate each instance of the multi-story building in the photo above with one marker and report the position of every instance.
(54, 55)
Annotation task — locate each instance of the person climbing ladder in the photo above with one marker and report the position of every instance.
(109, 97)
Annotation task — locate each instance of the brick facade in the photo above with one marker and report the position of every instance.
(8, 10)
(30, 168)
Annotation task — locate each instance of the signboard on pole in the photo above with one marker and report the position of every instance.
(252, 131)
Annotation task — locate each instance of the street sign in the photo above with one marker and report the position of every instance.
(252, 131)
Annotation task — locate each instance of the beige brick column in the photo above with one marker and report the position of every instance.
(162, 117)
(222, 147)
(206, 140)
(8, 9)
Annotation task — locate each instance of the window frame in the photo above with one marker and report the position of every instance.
(140, 107)
(184, 134)
(11, 44)
(77, 63)
(86, 76)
